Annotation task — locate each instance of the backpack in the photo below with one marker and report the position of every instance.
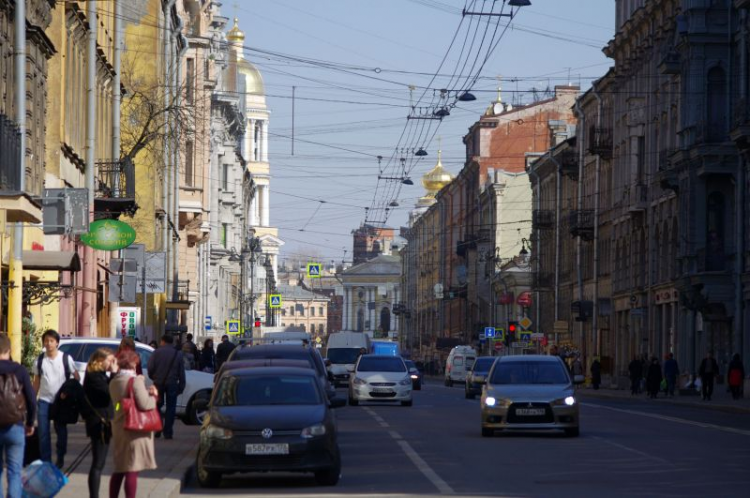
(12, 400)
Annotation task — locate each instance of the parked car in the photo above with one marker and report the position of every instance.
(288, 352)
(276, 362)
(380, 378)
(269, 419)
(415, 374)
(476, 378)
(198, 385)
(529, 392)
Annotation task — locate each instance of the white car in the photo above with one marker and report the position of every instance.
(380, 378)
(198, 384)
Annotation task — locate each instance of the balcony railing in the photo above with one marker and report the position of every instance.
(543, 219)
(115, 189)
(569, 163)
(582, 223)
(10, 155)
(600, 142)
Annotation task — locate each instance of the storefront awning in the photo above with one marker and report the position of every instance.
(51, 261)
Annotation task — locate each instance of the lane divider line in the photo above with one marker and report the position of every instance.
(633, 450)
(667, 418)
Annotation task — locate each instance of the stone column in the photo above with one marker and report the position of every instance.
(264, 141)
(250, 139)
(266, 206)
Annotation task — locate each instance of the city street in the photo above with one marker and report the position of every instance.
(627, 447)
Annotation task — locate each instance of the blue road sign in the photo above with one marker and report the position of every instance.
(233, 326)
(313, 270)
(525, 336)
(275, 300)
(489, 332)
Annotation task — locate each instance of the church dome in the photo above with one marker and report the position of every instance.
(250, 74)
(235, 34)
(437, 178)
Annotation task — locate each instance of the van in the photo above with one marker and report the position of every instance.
(342, 351)
(459, 363)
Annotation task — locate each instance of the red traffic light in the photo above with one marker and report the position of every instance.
(257, 323)
(511, 328)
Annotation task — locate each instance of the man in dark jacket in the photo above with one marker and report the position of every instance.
(635, 369)
(167, 371)
(223, 351)
(596, 373)
(12, 440)
(671, 371)
(708, 371)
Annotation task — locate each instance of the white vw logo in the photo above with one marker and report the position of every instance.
(266, 433)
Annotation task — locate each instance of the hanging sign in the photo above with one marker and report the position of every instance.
(109, 235)
(128, 318)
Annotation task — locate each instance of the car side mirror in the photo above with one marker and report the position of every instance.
(200, 405)
(338, 402)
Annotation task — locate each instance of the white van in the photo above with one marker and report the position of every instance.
(459, 363)
(342, 350)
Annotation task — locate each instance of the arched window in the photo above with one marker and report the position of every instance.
(716, 98)
(715, 232)
(361, 320)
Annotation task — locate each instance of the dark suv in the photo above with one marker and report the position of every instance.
(286, 352)
(476, 378)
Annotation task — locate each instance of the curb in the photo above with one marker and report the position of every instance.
(174, 480)
(673, 401)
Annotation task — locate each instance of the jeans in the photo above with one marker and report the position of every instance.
(98, 458)
(707, 386)
(45, 437)
(671, 382)
(169, 393)
(12, 442)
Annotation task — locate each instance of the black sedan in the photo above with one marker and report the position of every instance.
(415, 374)
(269, 419)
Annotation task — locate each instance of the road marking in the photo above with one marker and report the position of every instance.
(667, 418)
(633, 450)
(425, 469)
(395, 435)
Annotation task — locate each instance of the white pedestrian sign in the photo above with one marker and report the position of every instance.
(489, 331)
(274, 300)
(313, 270)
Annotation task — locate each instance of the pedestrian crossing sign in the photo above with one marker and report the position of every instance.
(525, 336)
(274, 300)
(313, 270)
(499, 335)
(233, 327)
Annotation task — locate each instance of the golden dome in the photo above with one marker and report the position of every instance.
(437, 178)
(235, 34)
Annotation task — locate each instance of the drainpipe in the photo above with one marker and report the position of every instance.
(579, 202)
(537, 246)
(166, 191)
(595, 318)
(116, 93)
(558, 201)
(15, 271)
(739, 312)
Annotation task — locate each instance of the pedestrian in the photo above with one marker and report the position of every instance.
(708, 371)
(596, 373)
(645, 364)
(127, 342)
(653, 378)
(208, 356)
(577, 371)
(190, 354)
(98, 412)
(16, 417)
(736, 376)
(671, 371)
(51, 370)
(223, 351)
(132, 451)
(167, 371)
(634, 370)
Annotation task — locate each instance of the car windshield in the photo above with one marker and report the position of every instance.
(259, 390)
(343, 356)
(483, 365)
(381, 364)
(529, 372)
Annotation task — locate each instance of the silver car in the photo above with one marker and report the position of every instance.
(529, 392)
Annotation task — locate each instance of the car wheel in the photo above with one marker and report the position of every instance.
(195, 417)
(207, 479)
(407, 403)
(353, 402)
(575, 432)
(488, 432)
(329, 477)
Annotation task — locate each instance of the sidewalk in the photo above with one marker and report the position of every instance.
(173, 458)
(720, 401)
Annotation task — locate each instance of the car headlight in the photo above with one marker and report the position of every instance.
(359, 382)
(567, 401)
(491, 401)
(216, 432)
(405, 382)
(414, 376)
(313, 431)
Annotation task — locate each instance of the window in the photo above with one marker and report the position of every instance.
(224, 232)
(321, 329)
(189, 163)
(716, 100)
(312, 311)
(225, 177)
(291, 310)
(321, 311)
(312, 328)
(190, 82)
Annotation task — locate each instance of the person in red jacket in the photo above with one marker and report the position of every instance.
(736, 376)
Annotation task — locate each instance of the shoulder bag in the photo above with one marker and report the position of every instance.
(139, 420)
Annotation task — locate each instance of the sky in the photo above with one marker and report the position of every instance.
(349, 65)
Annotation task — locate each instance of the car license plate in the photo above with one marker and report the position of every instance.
(266, 449)
(382, 390)
(530, 412)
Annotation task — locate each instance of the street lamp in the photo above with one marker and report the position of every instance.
(252, 249)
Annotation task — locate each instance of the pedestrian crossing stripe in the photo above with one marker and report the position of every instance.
(313, 270)
(233, 327)
(274, 300)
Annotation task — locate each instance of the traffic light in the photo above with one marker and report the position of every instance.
(511, 332)
(257, 323)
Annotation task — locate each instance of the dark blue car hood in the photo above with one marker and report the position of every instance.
(277, 417)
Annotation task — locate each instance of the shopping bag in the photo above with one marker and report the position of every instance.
(663, 384)
(42, 480)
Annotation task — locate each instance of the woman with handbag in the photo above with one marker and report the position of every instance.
(97, 411)
(208, 356)
(136, 418)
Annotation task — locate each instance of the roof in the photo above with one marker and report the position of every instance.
(298, 293)
(270, 370)
(529, 357)
(380, 265)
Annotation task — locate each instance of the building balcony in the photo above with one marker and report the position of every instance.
(670, 63)
(543, 219)
(600, 142)
(19, 206)
(569, 163)
(582, 224)
(638, 198)
(114, 193)
(666, 171)
(740, 133)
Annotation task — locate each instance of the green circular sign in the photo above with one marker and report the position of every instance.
(109, 235)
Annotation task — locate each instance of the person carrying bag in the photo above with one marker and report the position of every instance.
(132, 438)
(167, 371)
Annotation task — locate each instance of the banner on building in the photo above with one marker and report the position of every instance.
(128, 318)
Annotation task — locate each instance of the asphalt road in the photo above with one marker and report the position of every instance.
(627, 447)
